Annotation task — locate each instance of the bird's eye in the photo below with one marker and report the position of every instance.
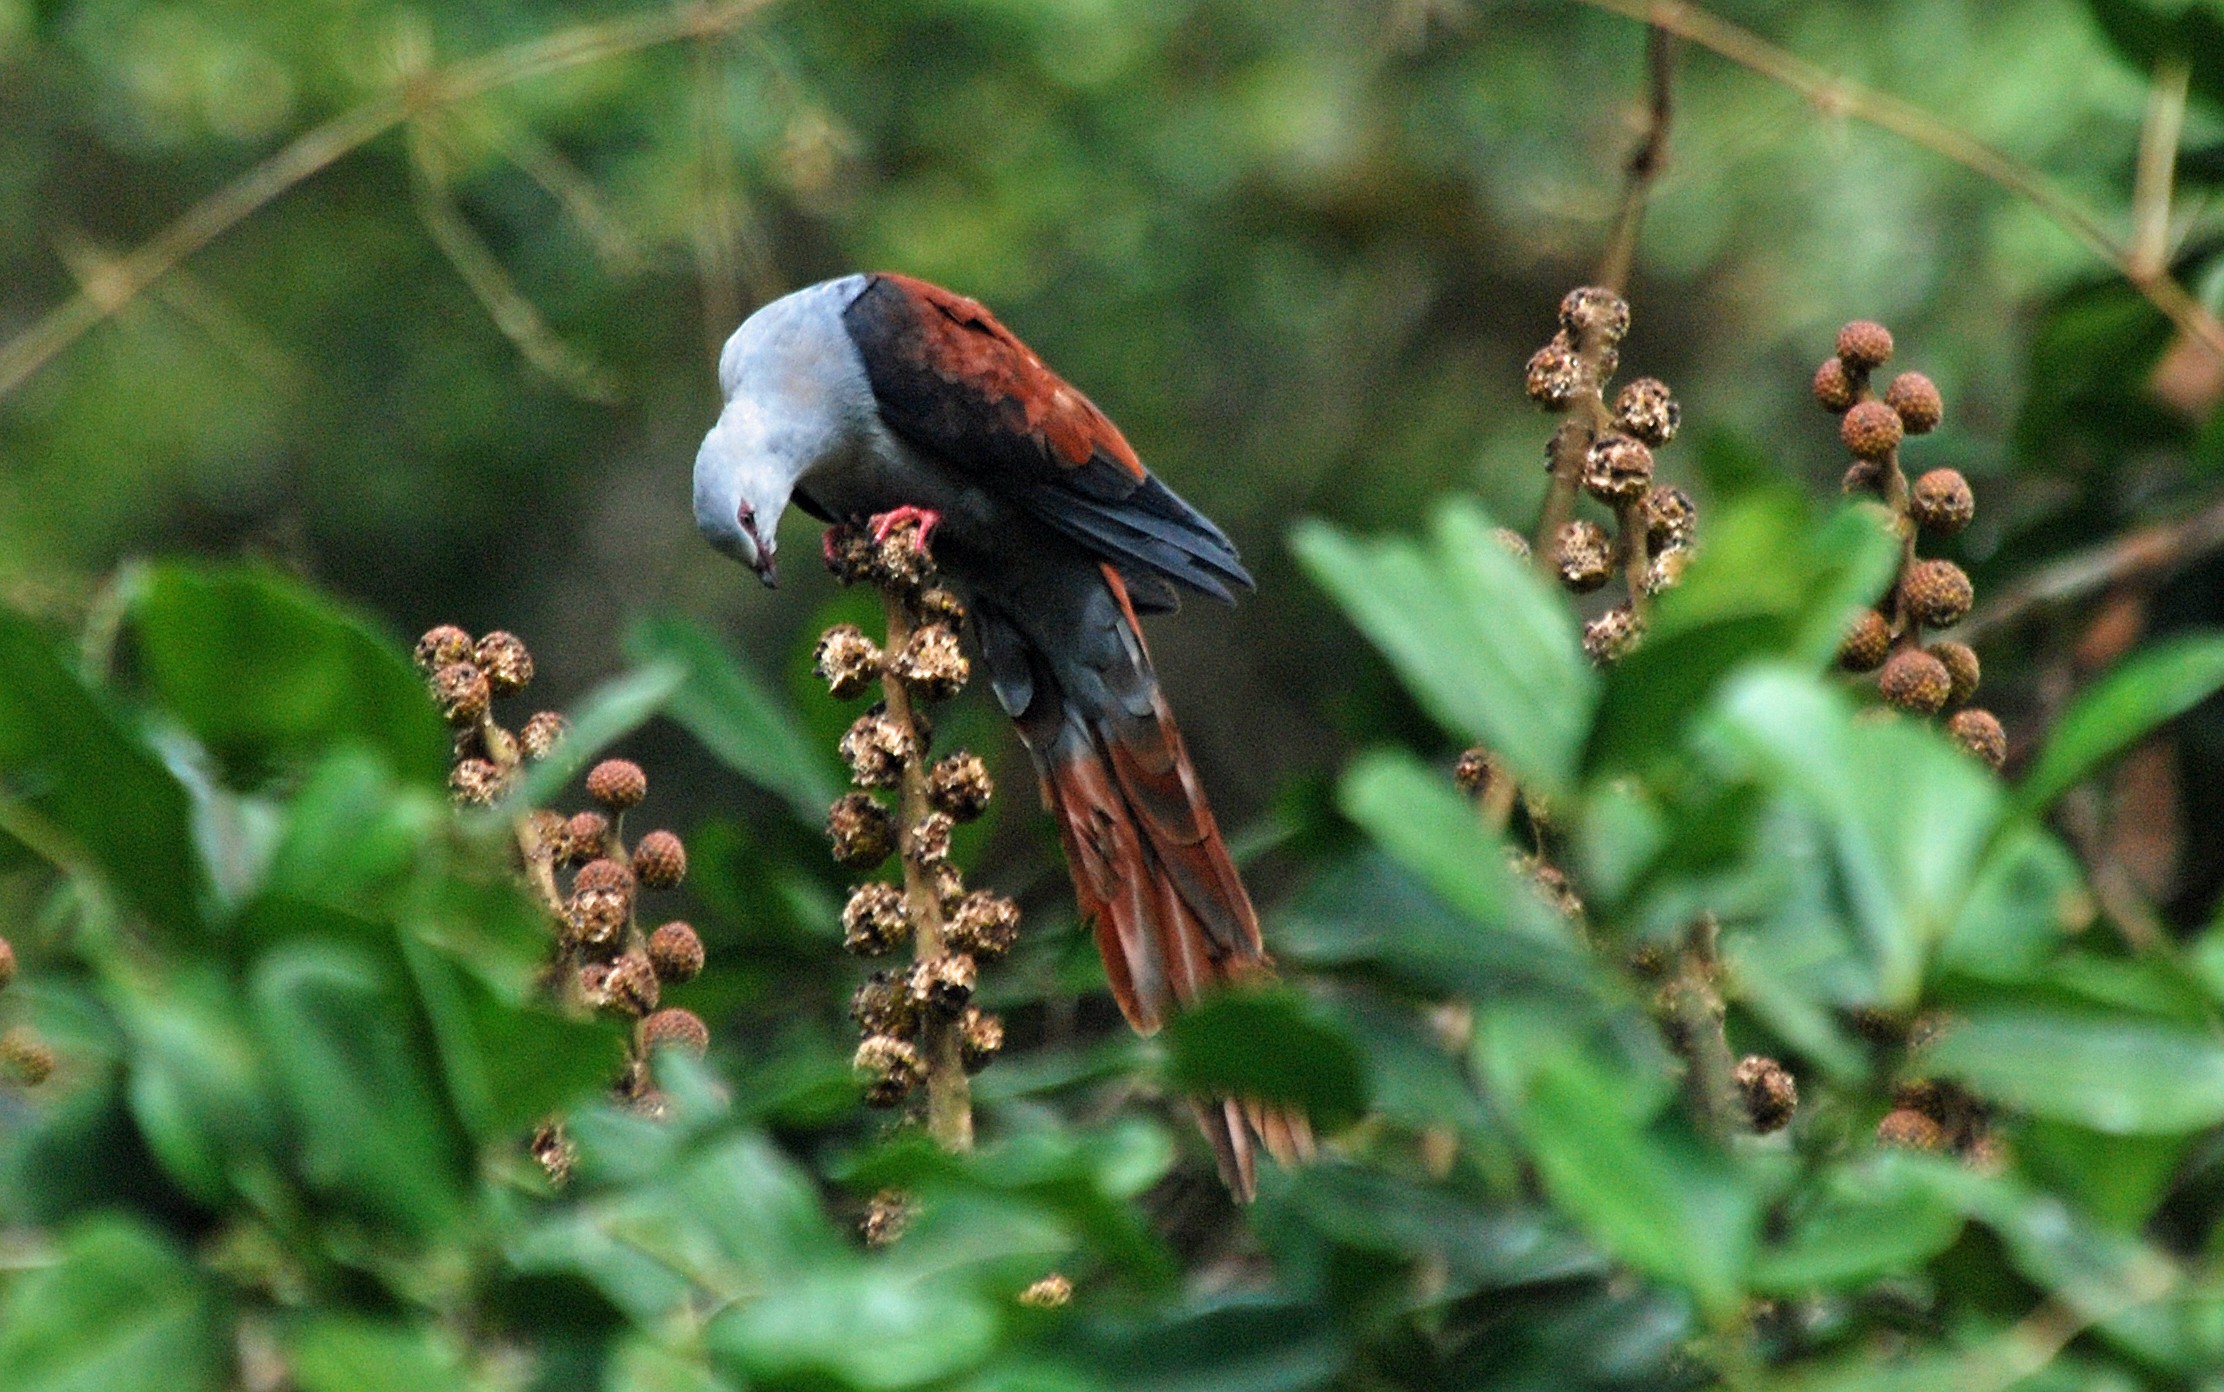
(745, 514)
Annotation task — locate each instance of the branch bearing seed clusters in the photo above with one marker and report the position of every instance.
(1922, 679)
(1608, 451)
(587, 879)
(889, 748)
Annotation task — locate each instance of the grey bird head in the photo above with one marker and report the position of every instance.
(795, 393)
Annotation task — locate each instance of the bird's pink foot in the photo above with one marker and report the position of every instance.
(927, 518)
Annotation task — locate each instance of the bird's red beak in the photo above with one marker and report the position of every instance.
(766, 570)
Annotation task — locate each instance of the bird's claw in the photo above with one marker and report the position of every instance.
(927, 518)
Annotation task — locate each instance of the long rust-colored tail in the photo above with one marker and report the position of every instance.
(1150, 869)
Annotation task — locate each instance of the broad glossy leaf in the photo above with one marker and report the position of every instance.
(508, 1061)
(1483, 642)
(862, 1326)
(726, 707)
(78, 786)
(2148, 689)
(336, 1353)
(2115, 1073)
(266, 673)
(2150, 32)
(1226, 1344)
(197, 1082)
(119, 1308)
(1863, 1223)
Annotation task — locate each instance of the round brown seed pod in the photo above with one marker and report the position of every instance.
(1867, 643)
(1052, 1292)
(1511, 542)
(631, 985)
(1962, 668)
(1556, 375)
(442, 647)
(1870, 429)
(960, 786)
(475, 782)
(874, 920)
(931, 665)
(1670, 517)
(1593, 313)
(980, 1038)
(949, 885)
(1904, 1128)
(617, 784)
(861, 830)
(891, 1068)
(1664, 571)
(1585, 554)
(506, 661)
(1937, 593)
(586, 835)
(1914, 681)
(886, 1218)
(983, 926)
(849, 553)
(1474, 771)
(597, 919)
(1864, 344)
(1611, 636)
(542, 733)
(1917, 400)
(1835, 388)
(1979, 732)
(847, 661)
(7, 963)
(943, 985)
(1768, 1091)
(876, 748)
(882, 1005)
(676, 951)
(929, 841)
(939, 606)
(605, 873)
(1941, 501)
(1617, 468)
(1647, 409)
(30, 1058)
(674, 1028)
(660, 860)
(461, 691)
(900, 561)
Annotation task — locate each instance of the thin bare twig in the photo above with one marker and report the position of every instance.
(125, 279)
(2149, 254)
(2149, 552)
(1840, 96)
(1645, 162)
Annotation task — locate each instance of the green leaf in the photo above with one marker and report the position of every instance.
(2120, 709)
(118, 1309)
(1768, 583)
(1272, 1046)
(609, 713)
(82, 790)
(335, 1353)
(1864, 1223)
(350, 1056)
(1908, 815)
(1652, 1195)
(267, 673)
(867, 1328)
(196, 1082)
(2150, 32)
(2115, 1073)
(726, 707)
(1484, 643)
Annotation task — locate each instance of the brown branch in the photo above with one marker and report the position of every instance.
(1840, 96)
(2149, 253)
(1645, 162)
(2150, 552)
(949, 1091)
(321, 147)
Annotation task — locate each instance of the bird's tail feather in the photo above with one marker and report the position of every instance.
(1154, 876)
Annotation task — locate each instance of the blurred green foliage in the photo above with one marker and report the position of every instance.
(1300, 252)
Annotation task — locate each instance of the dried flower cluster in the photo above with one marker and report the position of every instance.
(1605, 450)
(579, 866)
(922, 1032)
(23, 1055)
(1924, 679)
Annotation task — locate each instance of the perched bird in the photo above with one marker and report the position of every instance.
(874, 394)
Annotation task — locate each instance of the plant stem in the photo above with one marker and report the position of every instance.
(949, 1092)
